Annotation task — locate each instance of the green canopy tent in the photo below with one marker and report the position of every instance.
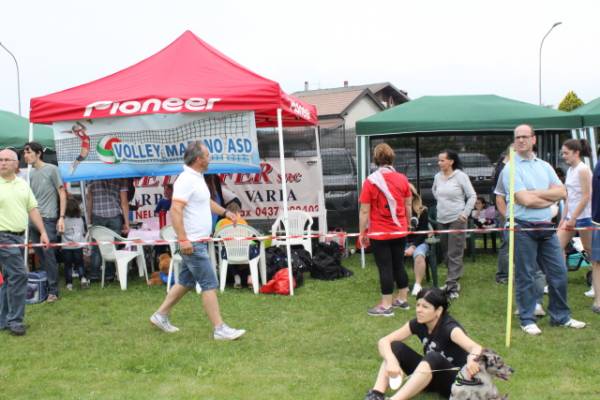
(14, 132)
(464, 114)
(590, 114)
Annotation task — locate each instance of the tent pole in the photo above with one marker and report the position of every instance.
(82, 190)
(418, 159)
(285, 200)
(592, 141)
(322, 210)
(30, 139)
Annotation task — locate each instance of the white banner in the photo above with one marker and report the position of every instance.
(153, 145)
(149, 190)
(261, 193)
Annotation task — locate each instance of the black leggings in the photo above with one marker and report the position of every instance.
(389, 257)
(441, 381)
(73, 260)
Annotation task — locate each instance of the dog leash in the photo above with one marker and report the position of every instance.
(433, 370)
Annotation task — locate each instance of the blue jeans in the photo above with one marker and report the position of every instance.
(47, 257)
(540, 278)
(73, 260)
(198, 268)
(115, 224)
(543, 247)
(14, 289)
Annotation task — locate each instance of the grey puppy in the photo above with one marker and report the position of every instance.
(481, 386)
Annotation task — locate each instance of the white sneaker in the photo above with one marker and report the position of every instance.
(531, 329)
(546, 289)
(539, 310)
(573, 323)
(84, 283)
(416, 289)
(162, 323)
(69, 286)
(590, 293)
(225, 332)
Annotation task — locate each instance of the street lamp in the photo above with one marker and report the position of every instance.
(18, 76)
(540, 64)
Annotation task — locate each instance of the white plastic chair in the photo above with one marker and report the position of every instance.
(238, 252)
(168, 233)
(299, 224)
(121, 258)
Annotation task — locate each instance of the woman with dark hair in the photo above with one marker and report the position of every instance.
(579, 206)
(416, 245)
(446, 349)
(385, 209)
(455, 199)
(577, 212)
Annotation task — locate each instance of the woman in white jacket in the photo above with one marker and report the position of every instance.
(455, 198)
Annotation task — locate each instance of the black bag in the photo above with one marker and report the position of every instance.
(302, 260)
(327, 262)
(276, 259)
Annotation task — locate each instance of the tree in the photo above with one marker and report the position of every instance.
(570, 102)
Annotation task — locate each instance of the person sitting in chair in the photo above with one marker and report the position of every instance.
(416, 247)
(238, 271)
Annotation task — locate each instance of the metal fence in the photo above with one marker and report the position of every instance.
(479, 153)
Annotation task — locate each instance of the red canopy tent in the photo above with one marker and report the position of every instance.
(188, 75)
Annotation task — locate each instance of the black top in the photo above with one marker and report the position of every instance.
(416, 240)
(596, 194)
(439, 340)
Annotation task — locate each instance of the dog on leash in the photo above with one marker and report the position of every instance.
(481, 386)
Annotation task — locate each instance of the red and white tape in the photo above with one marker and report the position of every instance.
(339, 235)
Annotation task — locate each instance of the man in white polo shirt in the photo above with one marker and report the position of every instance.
(191, 215)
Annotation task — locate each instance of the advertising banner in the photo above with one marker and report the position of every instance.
(261, 193)
(153, 145)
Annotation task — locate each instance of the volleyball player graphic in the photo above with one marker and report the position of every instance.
(80, 131)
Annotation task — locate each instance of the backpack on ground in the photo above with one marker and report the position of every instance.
(327, 262)
(276, 259)
(37, 287)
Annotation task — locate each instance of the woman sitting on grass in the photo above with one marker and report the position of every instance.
(446, 348)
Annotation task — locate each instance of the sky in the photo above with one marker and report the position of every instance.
(422, 47)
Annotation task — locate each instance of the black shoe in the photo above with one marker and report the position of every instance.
(17, 330)
(502, 281)
(374, 395)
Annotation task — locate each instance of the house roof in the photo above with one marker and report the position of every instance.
(336, 101)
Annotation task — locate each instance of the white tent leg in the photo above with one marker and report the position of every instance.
(322, 209)
(285, 202)
(592, 141)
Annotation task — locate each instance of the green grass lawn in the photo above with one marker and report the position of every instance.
(319, 344)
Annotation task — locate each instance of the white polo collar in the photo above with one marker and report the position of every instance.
(193, 171)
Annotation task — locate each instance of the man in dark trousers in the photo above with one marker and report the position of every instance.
(17, 203)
